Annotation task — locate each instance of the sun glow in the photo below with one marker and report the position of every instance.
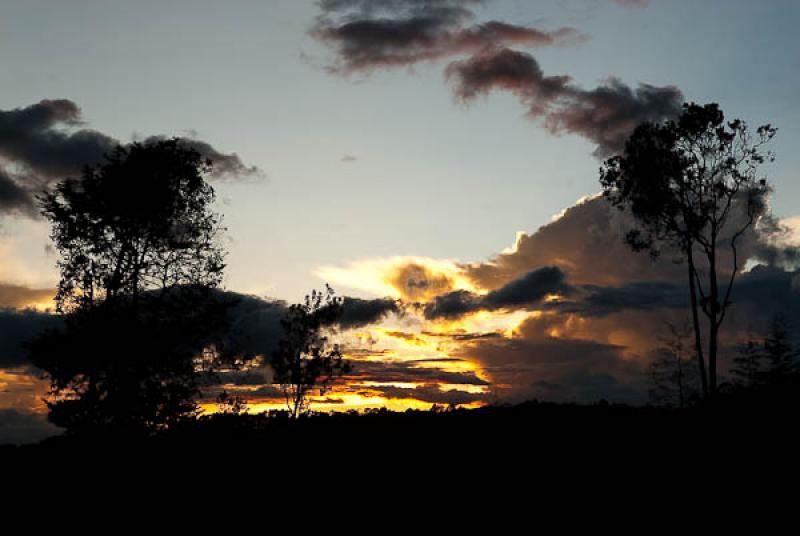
(408, 278)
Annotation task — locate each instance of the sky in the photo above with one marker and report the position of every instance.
(352, 159)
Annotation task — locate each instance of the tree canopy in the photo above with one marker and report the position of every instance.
(694, 185)
(139, 260)
(305, 359)
(140, 221)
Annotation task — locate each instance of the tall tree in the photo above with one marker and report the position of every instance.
(139, 260)
(693, 186)
(305, 360)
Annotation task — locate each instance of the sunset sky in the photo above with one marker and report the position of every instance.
(409, 150)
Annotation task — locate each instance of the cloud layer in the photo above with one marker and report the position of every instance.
(527, 291)
(605, 115)
(365, 36)
(400, 33)
(571, 313)
(47, 141)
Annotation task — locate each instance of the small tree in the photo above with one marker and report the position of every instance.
(305, 360)
(693, 185)
(779, 351)
(769, 361)
(139, 260)
(231, 404)
(674, 379)
(749, 365)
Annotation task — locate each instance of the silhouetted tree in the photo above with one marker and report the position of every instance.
(693, 185)
(140, 221)
(748, 365)
(139, 261)
(767, 362)
(231, 404)
(672, 373)
(780, 351)
(305, 360)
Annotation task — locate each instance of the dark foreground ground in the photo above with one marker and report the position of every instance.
(736, 428)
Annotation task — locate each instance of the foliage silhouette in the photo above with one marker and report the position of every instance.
(231, 404)
(139, 262)
(672, 373)
(769, 362)
(135, 368)
(140, 221)
(305, 360)
(694, 185)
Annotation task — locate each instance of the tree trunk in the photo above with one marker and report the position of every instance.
(698, 340)
(713, 328)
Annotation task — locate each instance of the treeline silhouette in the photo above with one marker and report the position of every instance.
(145, 328)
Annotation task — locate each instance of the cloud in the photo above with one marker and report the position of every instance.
(225, 166)
(45, 142)
(37, 138)
(401, 33)
(358, 313)
(18, 296)
(606, 115)
(409, 372)
(385, 34)
(431, 393)
(14, 198)
(19, 428)
(586, 241)
(411, 279)
(255, 323)
(631, 3)
(638, 296)
(534, 364)
(18, 327)
(521, 293)
(569, 312)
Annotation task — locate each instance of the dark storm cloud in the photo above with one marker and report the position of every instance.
(523, 292)
(34, 137)
(18, 327)
(638, 295)
(45, 142)
(596, 340)
(752, 290)
(528, 289)
(606, 115)
(357, 312)
(408, 372)
(225, 166)
(383, 34)
(535, 365)
(565, 354)
(14, 198)
(780, 256)
(19, 428)
(255, 323)
(431, 393)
